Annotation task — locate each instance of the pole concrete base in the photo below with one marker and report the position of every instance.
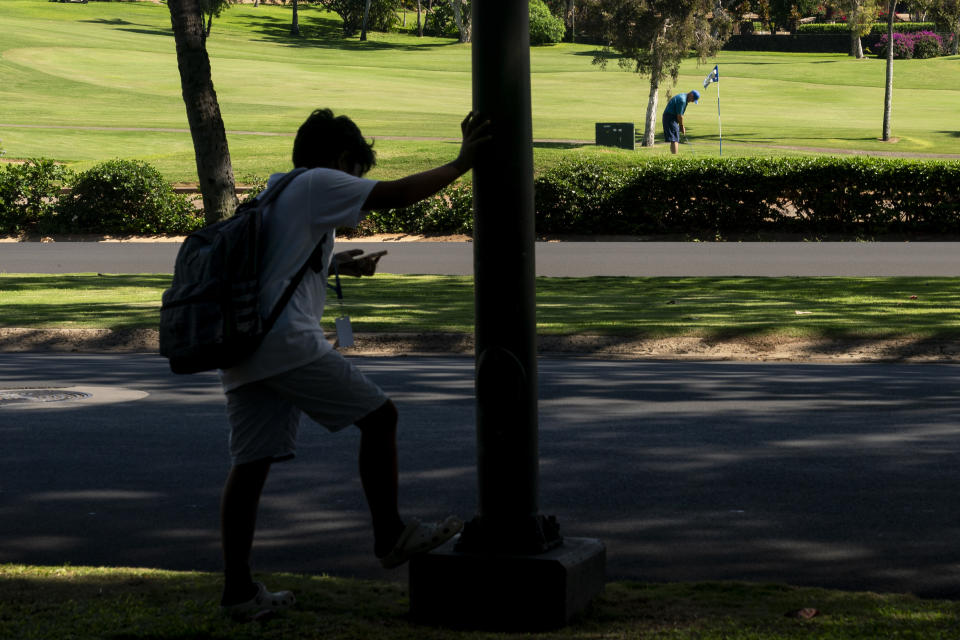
(500, 592)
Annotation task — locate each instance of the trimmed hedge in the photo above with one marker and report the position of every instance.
(450, 211)
(860, 197)
(823, 38)
(877, 28)
(811, 197)
(854, 197)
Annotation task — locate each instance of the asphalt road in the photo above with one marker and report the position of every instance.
(553, 258)
(834, 475)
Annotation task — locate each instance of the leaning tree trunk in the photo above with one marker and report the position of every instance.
(203, 111)
(366, 17)
(462, 25)
(650, 122)
(856, 45)
(888, 96)
(295, 24)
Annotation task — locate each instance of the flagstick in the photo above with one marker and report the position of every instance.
(719, 123)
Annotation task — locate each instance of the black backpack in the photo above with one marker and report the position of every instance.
(211, 317)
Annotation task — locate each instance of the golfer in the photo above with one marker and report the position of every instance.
(673, 117)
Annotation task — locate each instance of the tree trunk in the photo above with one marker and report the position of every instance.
(419, 22)
(203, 112)
(856, 45)
(295, 24)
(956, 41)
(650, 122)
(888, 97)
(571, 21)
(462, 25)
(366, 16)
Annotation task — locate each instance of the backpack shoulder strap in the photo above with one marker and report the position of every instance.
(264, 199)
(294, 283)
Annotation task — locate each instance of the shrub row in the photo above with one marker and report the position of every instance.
(877, 27)
(922, 44)
(809, 196)
(812, 197)
(123, 197)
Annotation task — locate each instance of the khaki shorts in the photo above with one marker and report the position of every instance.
(264, 416)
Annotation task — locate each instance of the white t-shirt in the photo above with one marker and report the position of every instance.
(314, 203)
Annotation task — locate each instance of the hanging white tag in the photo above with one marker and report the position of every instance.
(344, 331)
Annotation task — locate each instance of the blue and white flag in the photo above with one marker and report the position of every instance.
(713, 77)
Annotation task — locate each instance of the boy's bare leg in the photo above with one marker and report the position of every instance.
(238, 520)
(379, 475)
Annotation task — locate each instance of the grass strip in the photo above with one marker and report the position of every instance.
(119, 603)
(716, 307)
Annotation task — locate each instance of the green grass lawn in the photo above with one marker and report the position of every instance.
(113, 64)
(721, 308)
(95, 603)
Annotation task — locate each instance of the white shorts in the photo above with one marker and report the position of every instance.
(264, 415)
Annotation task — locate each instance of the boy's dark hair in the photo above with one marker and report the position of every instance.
(324, 138)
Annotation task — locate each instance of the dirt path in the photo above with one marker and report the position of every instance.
(763, 348)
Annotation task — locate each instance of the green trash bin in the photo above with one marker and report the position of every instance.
(615, 134)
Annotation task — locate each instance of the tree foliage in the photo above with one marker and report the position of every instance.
(781, 15)
(383, 14)
(861, 14)
(946, 13)
(211, 9)
(545, 28)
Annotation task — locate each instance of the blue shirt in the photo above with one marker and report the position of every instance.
(677, 105)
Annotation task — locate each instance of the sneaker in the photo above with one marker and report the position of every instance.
(262, 604)
(418, 537)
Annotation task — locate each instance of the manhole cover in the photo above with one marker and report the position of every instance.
(17, 396)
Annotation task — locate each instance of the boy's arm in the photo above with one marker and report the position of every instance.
(392, 194)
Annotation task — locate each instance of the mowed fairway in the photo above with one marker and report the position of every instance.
(85, 83)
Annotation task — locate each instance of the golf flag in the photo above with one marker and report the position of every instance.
(713, 77)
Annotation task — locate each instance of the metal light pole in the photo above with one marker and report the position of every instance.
(505, 307)
(511, 568)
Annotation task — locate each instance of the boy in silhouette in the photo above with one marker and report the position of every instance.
(296, 371)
